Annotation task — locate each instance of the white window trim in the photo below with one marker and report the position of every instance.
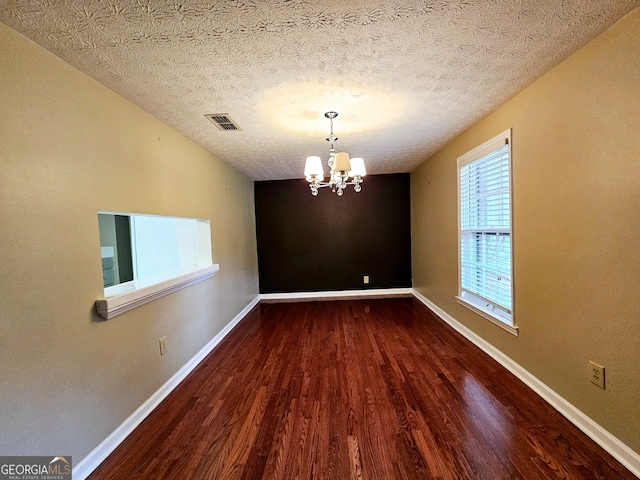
(123, 297)
(473, 304)
(126, 296)
(503, 319)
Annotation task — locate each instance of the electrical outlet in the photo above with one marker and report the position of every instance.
(365, 279)
(163, 345)
(596, 374)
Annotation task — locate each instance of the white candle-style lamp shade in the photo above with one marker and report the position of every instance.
(341, 163)
(357, 168)
(313, 166)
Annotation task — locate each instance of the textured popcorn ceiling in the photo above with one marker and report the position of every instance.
(405, 76)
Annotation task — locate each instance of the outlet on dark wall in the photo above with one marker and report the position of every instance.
(324, 243)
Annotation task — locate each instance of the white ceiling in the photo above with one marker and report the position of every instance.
(405, 76)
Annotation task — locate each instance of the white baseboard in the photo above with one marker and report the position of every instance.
(625, 455)
(337, 294)
(89, 463)
(621, 452)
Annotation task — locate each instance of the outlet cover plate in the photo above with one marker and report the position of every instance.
(596, 374)
(163, 345)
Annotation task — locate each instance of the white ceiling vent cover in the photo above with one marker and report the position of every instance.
(223, 121)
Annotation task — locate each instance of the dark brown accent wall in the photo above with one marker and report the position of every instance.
(325, 243)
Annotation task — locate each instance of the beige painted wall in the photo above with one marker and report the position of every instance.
(68, 148)
(576, 184)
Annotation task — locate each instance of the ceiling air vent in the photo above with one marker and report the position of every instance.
(223, 121)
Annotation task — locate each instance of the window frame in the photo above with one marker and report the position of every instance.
(488, 308)
(195, 265)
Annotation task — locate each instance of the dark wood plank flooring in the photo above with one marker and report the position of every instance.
(371, 389)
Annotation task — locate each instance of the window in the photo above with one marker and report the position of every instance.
(148, 256)
(485, 236)
(139, 247)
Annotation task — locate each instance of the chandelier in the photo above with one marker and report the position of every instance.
(341, 168)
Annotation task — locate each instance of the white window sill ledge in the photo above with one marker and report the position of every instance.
(127, 296)
(489, 316)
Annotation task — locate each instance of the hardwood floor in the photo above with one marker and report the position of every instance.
(371, 389)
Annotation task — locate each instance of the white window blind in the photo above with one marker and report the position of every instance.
(485, 228)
